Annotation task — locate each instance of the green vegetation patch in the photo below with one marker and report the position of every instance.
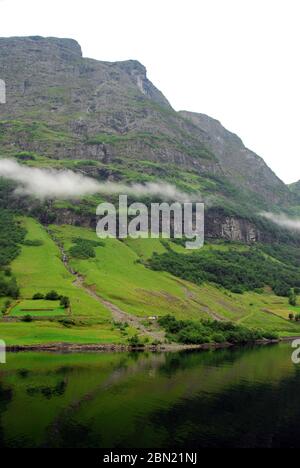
(207, 331)
(10, 130)
(84, 248)
(38, 308)
(237, 271)
(40, 270)
(11, 235)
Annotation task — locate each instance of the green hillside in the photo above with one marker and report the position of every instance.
(107, 121)
(118, 276)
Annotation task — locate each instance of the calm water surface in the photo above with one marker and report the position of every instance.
(246, 397)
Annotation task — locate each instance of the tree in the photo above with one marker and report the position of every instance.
(134, 341)
(65, 302)
(291, 316)
(52, 296)
(38, 296)
(292, 298)
(27, 318)
(13, 289)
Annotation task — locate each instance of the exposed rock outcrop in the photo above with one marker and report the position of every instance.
(109, 121)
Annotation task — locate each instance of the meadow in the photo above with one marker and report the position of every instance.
(40, 308)
(118, 274)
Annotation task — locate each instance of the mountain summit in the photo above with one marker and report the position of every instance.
(109, 121)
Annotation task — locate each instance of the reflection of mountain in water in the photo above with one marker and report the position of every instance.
(189, 399)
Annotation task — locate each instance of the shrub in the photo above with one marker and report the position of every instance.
(84, 248)
(52, 296)
(38, 296)
(218, 338)
(205, 331)
(12, 289)
(65, 302)
(270, 335)
(82, 251)
(191, 335)
(135, 341)
(27, 318)
(25, 156)
(66, 322)
(33, 243)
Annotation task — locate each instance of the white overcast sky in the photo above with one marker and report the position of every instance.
(235, 60)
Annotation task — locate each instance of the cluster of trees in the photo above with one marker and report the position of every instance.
(295, 317)
(84, 248)
(210, 331)
(53, 296)
(235, 270)
(9, 287)
(33, 243)
(12, 234)
(288, 254)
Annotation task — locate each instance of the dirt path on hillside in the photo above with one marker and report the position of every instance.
(204, 308)
(117, 314)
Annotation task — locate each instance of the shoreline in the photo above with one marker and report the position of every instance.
(74, 347)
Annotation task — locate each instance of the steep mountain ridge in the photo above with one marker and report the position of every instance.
(239, 162)
(110, 122)
(295, 188)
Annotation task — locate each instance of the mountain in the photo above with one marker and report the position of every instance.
(109, 121)
(295, 188)
(238, 162)
(60, 284)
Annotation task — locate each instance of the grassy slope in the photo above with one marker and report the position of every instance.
(117, 275)
(39, 308)
(39, 269)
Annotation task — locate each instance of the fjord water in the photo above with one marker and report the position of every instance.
(246, 397)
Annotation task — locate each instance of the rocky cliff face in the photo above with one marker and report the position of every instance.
(109, 121)
(238, 162)
(93, 110)
(231, 228)
(217, 225)
(295, 188)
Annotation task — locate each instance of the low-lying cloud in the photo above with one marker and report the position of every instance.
(283, 220)
(65, 184)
